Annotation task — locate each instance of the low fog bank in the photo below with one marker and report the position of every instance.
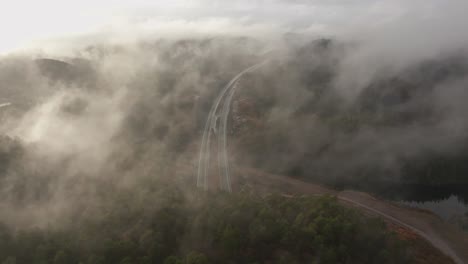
(323, 119)
(114, 117)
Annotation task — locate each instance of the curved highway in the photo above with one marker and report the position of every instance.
(212, 126)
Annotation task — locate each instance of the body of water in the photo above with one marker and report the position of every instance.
(452, 210)
(446, 209)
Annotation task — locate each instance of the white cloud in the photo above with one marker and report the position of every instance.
(25, 22)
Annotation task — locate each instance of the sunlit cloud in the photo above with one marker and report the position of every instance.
(47, 24)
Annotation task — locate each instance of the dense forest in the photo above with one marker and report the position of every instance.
(400, 128)
(160, 223)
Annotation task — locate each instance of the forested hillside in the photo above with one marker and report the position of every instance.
(399, 126)
(160, 223)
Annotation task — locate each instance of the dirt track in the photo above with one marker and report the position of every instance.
(447, 238)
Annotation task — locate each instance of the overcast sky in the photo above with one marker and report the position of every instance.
(27, 23)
